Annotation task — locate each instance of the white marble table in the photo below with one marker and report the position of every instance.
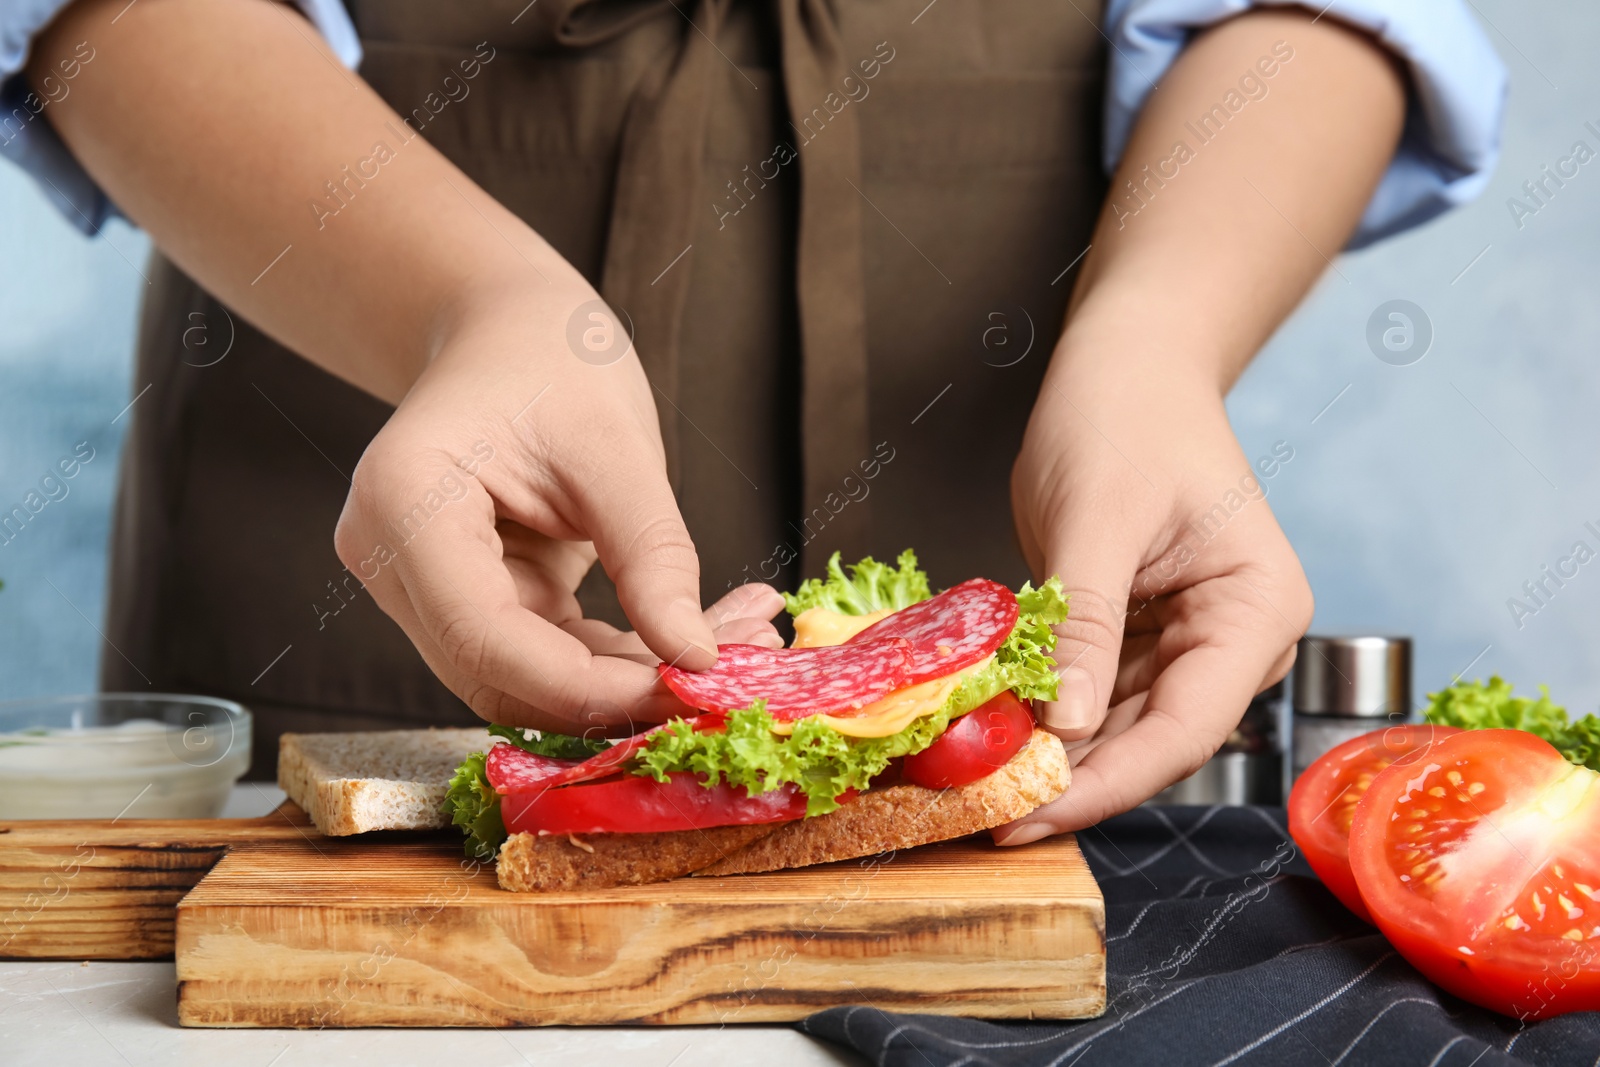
(75, 1014)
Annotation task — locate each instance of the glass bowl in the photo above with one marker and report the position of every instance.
(120, 756)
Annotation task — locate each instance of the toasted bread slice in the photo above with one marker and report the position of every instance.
(881, 820)
(350, 783)
(543, 863)
(905, 816)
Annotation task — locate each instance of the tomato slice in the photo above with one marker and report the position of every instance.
(1323, 800)
(636, 804)
(1480, 861)
(975, 746)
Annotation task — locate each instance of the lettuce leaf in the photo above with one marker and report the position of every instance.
(471, 801)
(474, 806)
(545, 743)
(871, 586)
(1479, 706)
(824, 763)
(1025, 659)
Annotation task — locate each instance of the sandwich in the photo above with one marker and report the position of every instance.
(896, 718)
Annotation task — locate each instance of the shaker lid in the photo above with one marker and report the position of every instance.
(1356, 676)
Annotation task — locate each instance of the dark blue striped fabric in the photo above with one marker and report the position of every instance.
(1223, 948)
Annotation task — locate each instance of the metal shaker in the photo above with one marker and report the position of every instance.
(1248, 769)
(1345, 687)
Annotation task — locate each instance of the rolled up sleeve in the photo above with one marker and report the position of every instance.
(28, 140)
(1456, 100)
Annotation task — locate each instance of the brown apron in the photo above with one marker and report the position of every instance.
(839, 228)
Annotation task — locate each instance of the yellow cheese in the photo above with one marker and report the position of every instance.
(895, 712)
(815, 627)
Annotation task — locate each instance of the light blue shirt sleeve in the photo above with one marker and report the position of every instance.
(28, 139)
(1446, 155)
(1451, 139)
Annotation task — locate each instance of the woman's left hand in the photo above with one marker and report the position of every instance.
(1186, 598)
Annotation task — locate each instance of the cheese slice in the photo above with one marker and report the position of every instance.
(816, 627)
(893, 713)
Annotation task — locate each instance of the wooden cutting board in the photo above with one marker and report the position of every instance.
(107, 889)
(284, 927)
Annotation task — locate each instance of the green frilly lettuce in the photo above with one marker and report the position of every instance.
(1480, 706)
(871, 586)
(818, 759)
(471, 801)
(825, 763)
(474, 808)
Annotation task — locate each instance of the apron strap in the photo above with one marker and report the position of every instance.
(831, 277)
(656, 213)
(653, 213)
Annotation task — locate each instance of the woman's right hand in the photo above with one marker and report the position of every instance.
(414, 284)
(508, 468)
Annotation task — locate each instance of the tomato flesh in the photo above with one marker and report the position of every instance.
(1480, 861)
(975, 746)
(1322, 803)
(633, 804)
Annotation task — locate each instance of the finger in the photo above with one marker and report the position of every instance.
(600, 717)
(645, 548)
(749, 632)
(547, 570)
(1120, 716)
(1280, 669)
(1190, 711)
(605, 640)
(754, 600)
(743, 616)
(740, 618)
(1095, 568)
(1138, 665)
(447, 585)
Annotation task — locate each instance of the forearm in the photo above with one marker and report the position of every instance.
(217, 128)
(1213, 231)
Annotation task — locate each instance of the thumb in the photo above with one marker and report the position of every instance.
(644, 547)
(1095, 574)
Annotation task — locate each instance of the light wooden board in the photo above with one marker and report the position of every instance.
(358, 932)
(106, 889)
(290, 928)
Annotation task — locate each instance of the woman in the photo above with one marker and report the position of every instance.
(834, 244)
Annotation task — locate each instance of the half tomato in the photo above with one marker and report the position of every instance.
(1480, 861)
(1323, 801)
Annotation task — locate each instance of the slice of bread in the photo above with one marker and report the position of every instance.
(375, 780)
(880, 820)
(905, 816)
(542, 863)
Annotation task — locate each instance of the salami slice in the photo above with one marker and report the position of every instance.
(514, 770)
(795, 682)
(951, 631)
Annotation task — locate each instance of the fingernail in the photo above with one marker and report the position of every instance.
(1074, 705)
(691, 625)
(1026, 834)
